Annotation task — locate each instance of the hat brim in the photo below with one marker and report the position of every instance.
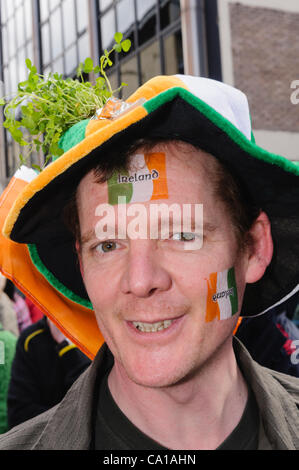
(270, 181)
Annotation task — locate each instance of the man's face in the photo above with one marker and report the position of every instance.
(134, 284)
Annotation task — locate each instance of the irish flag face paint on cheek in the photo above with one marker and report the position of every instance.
(146, 180)
(222, 297)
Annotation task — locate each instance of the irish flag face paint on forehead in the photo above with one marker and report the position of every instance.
(222, 297)
(145, 181)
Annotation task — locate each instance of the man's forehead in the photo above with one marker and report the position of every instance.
(163, 172)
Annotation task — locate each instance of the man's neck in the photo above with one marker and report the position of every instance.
(198, 413)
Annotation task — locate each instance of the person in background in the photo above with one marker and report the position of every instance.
(272, 338)
(35, 313)
(22, 310)
(26, 311)
(7, 350)
(45, 366)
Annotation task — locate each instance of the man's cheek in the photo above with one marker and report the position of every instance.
(222, 295)
(101, 293)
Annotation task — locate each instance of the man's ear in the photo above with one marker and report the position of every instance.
(78, 250)
(260, 249)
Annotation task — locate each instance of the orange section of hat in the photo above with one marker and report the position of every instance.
(78, 323)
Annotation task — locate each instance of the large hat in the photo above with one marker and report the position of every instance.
(208, 114)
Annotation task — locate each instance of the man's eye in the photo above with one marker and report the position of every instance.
(184, 236)
(106, 247)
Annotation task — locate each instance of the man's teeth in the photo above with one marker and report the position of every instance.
(152, 327)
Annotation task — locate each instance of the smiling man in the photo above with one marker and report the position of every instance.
(155, 283)
(170, 374)
(153, 312)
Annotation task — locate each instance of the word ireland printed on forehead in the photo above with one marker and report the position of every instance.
(145, 181)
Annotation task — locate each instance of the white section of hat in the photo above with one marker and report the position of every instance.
(26, 174)
(228, 101)
(142, 190)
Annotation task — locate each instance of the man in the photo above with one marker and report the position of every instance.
(166, 291)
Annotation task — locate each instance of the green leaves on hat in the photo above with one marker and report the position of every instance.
(45, 107)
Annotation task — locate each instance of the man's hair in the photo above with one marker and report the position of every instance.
(226, 187)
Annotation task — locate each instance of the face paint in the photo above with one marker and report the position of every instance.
(146, 180)
(222, 299)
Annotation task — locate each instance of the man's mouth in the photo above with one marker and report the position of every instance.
(152, 327)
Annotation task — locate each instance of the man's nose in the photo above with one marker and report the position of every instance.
(144, 273)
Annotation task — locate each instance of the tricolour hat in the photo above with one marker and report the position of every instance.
(208, 114)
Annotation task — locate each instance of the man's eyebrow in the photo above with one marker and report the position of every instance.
(207, 226)
(92, 234)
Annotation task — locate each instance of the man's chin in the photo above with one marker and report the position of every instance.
(153, 375)
(150, 381)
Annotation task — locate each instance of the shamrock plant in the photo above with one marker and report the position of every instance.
(45, 107)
